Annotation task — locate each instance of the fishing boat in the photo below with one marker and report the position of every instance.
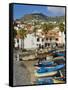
(44, 64)
(52, 51)
(61, 50)
(56, 81)
(47, 80)
(59, 58)
(45, 74)
(30, 57)
(60, 79)
(48, 71)
(60, 54)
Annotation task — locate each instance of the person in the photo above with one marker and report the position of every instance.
(39, 61)
(42, 60)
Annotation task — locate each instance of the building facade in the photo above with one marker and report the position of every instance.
(52, 38)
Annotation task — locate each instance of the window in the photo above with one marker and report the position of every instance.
(46, 33)
(17, 40)
(45, 44)
(56, 39)
(50, 38)
(42, 46)
(39, 45)
(56, 44)
(46, 38)
(42, 40)
(48, 44)
(37, 39)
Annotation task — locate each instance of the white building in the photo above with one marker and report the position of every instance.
(30, 42)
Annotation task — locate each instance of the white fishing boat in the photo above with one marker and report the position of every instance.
(59, 58)
(30, 57)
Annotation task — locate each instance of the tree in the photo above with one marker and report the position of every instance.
(35, 30)
(51, 26)
(61, 27)
(22, 34)
(14, 33)
(44, 27)
(47, 26)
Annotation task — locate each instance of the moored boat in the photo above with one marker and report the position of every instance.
(48, 74)
(47, 80)
(60, 54)
(44, 64)
(50, 69)
(59, 58)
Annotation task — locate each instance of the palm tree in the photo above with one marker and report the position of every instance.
(51, 26)
(44, 27)
(47, 26)
(22, 34)
(35, 30)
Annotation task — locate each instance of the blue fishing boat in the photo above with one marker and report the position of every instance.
(44, 81)
(45, 74)
(60, 54)
(44, 64)
(50, 51)
(60, 78)
(50, 69)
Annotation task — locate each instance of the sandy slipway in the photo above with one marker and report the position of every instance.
(23, 71)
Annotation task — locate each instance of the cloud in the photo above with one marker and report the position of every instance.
(57, 10)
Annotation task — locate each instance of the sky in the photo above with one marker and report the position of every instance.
(19, 10)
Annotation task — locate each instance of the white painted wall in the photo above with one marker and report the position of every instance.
(30, 41)
(62, 38)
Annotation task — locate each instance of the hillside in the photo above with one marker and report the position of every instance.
(41, 17)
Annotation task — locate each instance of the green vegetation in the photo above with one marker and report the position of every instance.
(47, 27)
(42, 17)
(61, 27)
(22, 34)
(14, 33)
